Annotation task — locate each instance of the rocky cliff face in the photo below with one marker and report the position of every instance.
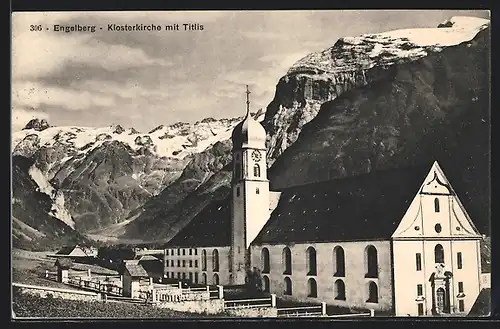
(349, 76)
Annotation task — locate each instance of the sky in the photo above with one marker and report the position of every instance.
(143, 79)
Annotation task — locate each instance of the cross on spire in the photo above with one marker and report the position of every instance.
(248, 101)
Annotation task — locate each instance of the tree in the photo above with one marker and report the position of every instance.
(64, 263)
(253, 281)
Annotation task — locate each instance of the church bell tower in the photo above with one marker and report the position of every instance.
(250, 191)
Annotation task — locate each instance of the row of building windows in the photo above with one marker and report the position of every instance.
(171, 252)
(193, 277)
(311, 264)
(215, 261)
(339, 289)
(438, 258)
(172, 263)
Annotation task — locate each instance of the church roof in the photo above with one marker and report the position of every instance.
(365, 207)
(210, 228)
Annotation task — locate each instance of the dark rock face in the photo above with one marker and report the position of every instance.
(160, 212)
(37, 124)
(32, 226)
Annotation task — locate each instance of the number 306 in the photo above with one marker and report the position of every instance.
(35, 27)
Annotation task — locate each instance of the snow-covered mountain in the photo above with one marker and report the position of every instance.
(353, 62)
(97, 176)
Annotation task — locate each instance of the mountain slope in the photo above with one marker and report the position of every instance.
(32, 225)
(417, 99)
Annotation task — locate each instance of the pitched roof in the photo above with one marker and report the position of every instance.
(364, 207)
(210, 228)
(332, 210)
(73, 250)
(482, 305)
(135, 269)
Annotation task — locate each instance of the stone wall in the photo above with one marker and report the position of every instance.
(45, 292)
(212, 306)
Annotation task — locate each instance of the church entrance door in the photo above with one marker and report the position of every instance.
(442, 301)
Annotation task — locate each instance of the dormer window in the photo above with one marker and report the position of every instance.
(436, 205)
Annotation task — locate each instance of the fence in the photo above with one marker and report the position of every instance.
(96, 286)
(176, 293)
(303, 311)
(251, 303)
(371, 313)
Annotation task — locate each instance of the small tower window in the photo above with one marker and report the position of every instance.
(238, 191)
(256, 170)
(237, 171)
(436, 205)
(257, 191)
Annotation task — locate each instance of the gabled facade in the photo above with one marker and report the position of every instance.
(436, 247)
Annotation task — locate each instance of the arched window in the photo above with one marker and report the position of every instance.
(230, 261)
(339, 290)
(230, 279)
(204, 278)
(312, 288)
(215, 261)
(311, 261)
(265, 260)
(256, 170)
(237, 170)
(215, 279)
(371, 262)
(372, 292)
(265, 284)
(339, 261)
(288, 286)
(203, 260)
(439, 254)
(436, 205)
(287, 261)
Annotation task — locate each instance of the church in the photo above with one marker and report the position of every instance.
(396, 241)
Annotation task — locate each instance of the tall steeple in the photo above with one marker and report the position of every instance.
(250, 191)
(249, 133)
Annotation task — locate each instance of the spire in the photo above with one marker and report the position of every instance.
(248, 102)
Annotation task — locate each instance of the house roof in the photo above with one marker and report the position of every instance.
(364, 207)
(210, 228)
(135, 269)
(73, 250)
(482, 305)
(148, 258)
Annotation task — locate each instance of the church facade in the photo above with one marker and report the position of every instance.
(397, 241)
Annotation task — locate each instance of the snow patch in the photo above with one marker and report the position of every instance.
(60, 212)
(41, 181)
